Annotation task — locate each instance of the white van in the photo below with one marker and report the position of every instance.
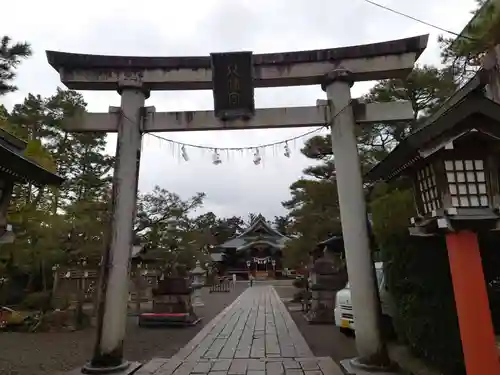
(344, 317)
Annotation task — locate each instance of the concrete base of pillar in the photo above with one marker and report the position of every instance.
(350, 367)
(127, 368)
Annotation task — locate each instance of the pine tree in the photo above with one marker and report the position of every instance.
(51, 223)
(313, 208)
(463, 53)
(11, 56)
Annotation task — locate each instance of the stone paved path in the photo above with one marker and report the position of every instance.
(255, 335)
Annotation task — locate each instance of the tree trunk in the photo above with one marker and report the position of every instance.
(29, 284)
(81, 187)
(55, 202)
(34, 263)
(28, 194)
(138, 290)
(44, 274)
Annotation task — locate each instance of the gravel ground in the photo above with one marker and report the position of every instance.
(49, 353)
(324, 340)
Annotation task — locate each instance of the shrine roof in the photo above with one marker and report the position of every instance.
(240, 242)
(136, 250)
(14, 163)
(275, 245)
(217, 257)
(233, 243)
(66, 60)
(333, 241)
(259, 230)
(144, 254)
(260, 223)
(467, 103)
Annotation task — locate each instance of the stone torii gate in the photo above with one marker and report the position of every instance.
(232, 77)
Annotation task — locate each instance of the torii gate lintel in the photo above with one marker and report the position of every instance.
(265, 118)
(368, 62)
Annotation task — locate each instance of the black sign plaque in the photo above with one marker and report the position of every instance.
(232, 78)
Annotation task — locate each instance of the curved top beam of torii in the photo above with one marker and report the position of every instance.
(391, 59)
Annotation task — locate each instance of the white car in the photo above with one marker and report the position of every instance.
(343, 310)
(344, 317)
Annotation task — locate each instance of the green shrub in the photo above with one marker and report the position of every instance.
(391, 216)
(490, 255)
(37, 301)
(418, 277)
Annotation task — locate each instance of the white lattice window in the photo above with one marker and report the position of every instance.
(467, 183)
(426, 180)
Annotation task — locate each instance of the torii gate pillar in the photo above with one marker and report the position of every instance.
(113, 301)
(364, 296)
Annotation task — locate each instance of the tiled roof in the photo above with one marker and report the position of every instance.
(258, 231)
(217, 257)
(260, 223)
(233, 243)
(14, 163)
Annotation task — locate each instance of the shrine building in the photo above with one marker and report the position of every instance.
(258, 250)
(17, 168)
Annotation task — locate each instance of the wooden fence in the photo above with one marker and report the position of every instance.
(220, 284)
(74, 285)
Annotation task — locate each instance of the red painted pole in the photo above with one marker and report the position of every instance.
(471, 299)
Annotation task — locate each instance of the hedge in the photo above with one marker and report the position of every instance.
(37, 301)
(418, 277)
(488, 243)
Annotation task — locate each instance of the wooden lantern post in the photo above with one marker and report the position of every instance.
(453, 162)
(453, 193)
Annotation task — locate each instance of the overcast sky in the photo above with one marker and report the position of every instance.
(198, 27)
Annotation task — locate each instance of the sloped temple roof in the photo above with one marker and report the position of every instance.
(14, 163)
(465, 103)
(259, 232)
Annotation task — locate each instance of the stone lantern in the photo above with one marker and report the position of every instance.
(453, 162)
(249, 263)
(198, 281)
(328, 276)
(172, 224)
